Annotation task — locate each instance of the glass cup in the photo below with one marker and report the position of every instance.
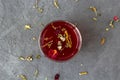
(60, 40)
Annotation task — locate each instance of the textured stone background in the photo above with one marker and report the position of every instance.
(101, 62)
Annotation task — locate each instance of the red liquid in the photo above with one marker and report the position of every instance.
(50, 34)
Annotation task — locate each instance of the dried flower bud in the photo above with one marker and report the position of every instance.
(29, 58)
(21, 58)
(23, 77)
(102, 42)
(83, 73)
(56, 4)
(27, 27)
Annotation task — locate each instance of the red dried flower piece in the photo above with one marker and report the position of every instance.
(52, 53)
(115, 18)
(57, 77)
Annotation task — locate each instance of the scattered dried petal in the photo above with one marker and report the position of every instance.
(63, 29)
(115, 18)
(94, 10)
(59, 47)
(27, 27)
(37, 7)
(57, 77)
(36, 73)
(21, 58)
(81, 64)
(111, 24)
(53, 26)
(38, 56)
(29, 58)
(68, 40)
(94, 18)
(48, 44)
(102, 42)
(53, 53)
(83, 73)
(107, 29)
(62, 38)
(23, 77)
(40, 10)
(34, 38)
(56, 4)
(48, 38)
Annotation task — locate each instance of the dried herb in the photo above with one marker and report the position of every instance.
(68, 40)
(21, 58)
(53, 26)
(107, 29)
(59, 47)
(111, 24)
(29, 58)
(94, 10)
(23, 77)
(54, 52)
(83, 73)
(62, 38)
(81, 64)
(36, 73)
(102, 42)
(40, 10)
(94, 18)
(37, 7)
(48, 38)
(38, 56)
(48, 44)
(34, 38)
(27, 27)
(63, 29)
(56, 4)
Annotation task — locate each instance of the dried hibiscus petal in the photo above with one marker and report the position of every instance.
(52, 53)
(115, 18)
(57, 77)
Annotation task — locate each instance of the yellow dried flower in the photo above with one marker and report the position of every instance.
(102, 42)
(56, 4)
(23, 77)
(36, 73)
(83, 73)
(27, 27)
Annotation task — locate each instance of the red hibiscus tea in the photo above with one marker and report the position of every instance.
(60, 40)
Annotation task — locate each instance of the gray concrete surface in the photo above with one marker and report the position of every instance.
(101, 62)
